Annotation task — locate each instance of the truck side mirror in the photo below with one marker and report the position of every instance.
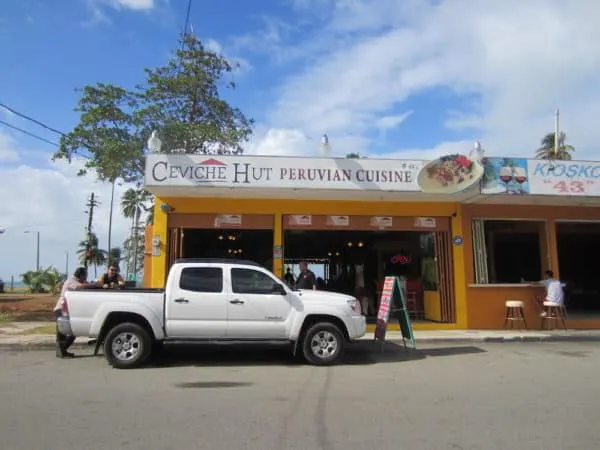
(278, 289)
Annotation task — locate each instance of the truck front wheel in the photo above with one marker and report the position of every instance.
(323, 344)
(127, 346)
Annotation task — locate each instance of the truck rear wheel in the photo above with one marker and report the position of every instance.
(323, 344)
(127, 346)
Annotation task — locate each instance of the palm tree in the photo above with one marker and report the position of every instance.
(150, 213)
(34, 281)
(133, 203)
(547, 149)
(115, 256)
(94, 255)
(46, 280)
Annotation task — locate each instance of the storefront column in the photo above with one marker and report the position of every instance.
(159, 261)
(545, 248)
(552, 247)
(278, 245)
(459, 261)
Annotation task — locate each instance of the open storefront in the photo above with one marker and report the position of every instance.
(353, 255)
(462, 253)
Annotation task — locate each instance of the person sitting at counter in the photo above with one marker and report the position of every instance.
(554, 288)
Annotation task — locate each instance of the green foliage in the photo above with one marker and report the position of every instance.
(95, 257)
(133, 247)
(353, 155)
(134, 203)
(46, 280)
(115, 256)
(547, 150)
(180, 99)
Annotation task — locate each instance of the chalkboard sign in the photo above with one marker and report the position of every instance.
(393, 299)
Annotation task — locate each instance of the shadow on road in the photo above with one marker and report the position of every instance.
(361, 353)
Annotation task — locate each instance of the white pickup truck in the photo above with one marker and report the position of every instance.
(215, 300)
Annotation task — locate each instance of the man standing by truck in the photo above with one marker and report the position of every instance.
(64, 341)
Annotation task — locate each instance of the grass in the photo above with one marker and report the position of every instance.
(24, 307)
(46, 329)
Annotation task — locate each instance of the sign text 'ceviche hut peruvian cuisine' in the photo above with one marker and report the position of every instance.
(280, 172)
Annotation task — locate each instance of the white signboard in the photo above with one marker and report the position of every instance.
(578, 178)
(280, 173)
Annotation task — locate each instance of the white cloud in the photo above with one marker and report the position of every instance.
(98, 15)
(241, 65)
(51, 199)
(8, 151)
(135, 5)
(387, 123)
(520, 60)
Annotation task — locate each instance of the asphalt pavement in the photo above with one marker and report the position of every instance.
(526, 395)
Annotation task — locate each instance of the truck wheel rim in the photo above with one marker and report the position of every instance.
(126, 346)
(324, 344)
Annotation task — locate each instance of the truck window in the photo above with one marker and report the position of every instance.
(250, 281)
(201, 279)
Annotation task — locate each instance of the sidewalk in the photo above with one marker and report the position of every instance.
(25, 336)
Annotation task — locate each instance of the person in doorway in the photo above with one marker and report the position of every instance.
(554, 289)
(289, 277)
(307, 278)
(111, 279)
(77, 281)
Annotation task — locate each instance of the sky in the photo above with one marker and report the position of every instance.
(410, 79)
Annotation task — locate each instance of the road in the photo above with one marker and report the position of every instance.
(489, 396)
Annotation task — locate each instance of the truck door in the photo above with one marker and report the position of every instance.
(253, 310)
(196, 304)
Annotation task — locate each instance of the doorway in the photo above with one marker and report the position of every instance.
(356, 262)
(575, 240)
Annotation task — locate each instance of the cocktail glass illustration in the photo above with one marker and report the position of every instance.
(520, 176)
(506, 175)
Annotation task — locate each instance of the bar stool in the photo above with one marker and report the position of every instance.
(553, 312)
(515, 310)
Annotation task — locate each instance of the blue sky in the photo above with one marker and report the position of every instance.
(412, 79)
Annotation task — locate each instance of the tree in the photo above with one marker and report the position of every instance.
(547, 149)
(133, 204)
(115, 256)
(353, 155)
(133, 247)
(95, 255)
(181, 100)
(46, 280)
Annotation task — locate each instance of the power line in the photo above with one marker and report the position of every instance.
(187, 17)
(35, 136)
(186, 23)
(31, 119)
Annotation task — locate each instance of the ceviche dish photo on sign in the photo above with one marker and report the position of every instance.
(449, 174)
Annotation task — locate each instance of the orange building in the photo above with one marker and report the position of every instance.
(463, 235)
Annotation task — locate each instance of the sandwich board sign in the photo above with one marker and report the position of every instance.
(393, 299)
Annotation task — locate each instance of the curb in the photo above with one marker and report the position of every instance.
(500, 339)
(33, 346)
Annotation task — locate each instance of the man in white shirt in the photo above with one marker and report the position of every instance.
(554, 289)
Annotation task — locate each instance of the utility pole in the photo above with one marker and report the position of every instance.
(91, 204)
(37, 249)
(110, 216)
(556, 133)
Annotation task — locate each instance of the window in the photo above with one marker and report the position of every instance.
(249, 281)
(202, 279)
(507, 251)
